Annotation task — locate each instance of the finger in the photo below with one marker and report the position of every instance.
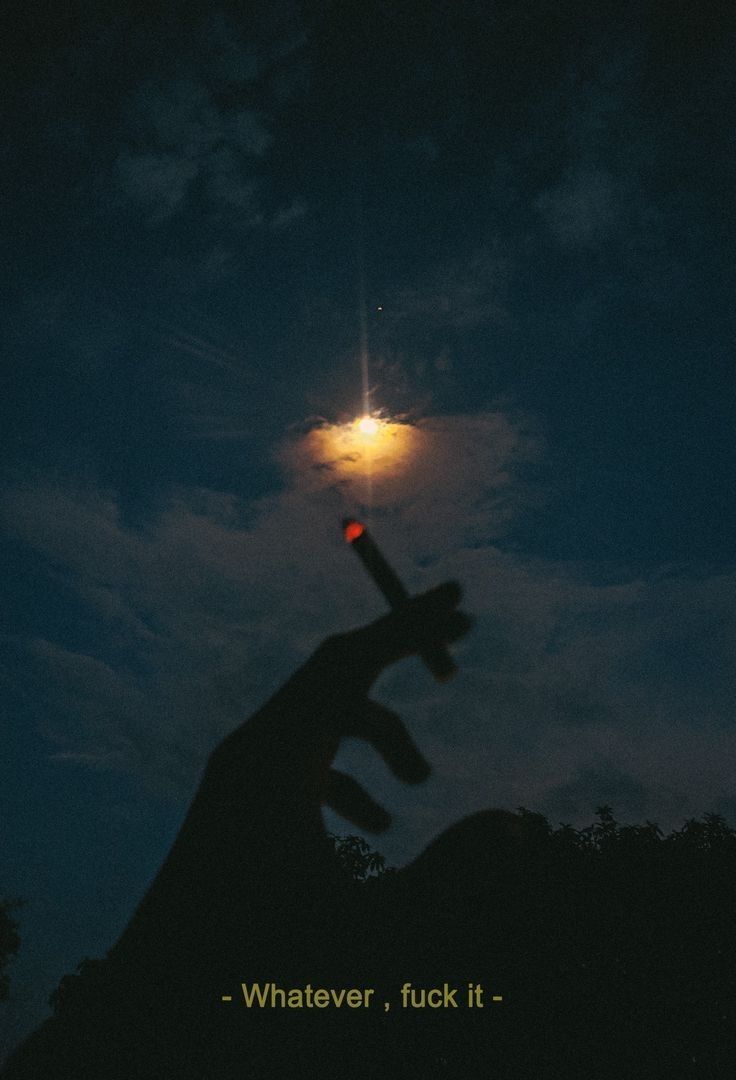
(348, 799)
(385, 731)
(406, 630)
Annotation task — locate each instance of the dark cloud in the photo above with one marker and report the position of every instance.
(599, 786)
(159, 182)
(582, 208)
(461, 295)
(184, 144)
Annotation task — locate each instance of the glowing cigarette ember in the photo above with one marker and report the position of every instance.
(435, 656)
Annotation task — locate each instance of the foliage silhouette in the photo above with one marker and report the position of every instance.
(9, 941)
(358, 859)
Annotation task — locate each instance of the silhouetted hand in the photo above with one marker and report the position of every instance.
(286, 750)
(255, 821)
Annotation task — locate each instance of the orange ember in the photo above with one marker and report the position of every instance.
(352, 530)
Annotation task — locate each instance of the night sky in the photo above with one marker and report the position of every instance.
(531, 206)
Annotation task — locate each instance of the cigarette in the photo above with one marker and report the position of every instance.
(435, 655)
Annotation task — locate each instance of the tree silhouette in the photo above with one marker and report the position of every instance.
(9, 941)
(612, 944)
(356, 857)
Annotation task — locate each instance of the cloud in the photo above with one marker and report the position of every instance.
(415, 324)
(159, 182)
(289, 214)
(202, 137)
(221, 82)
(185, 141)
(581, 208)
(569, 691)
(461, 294)
(599, 193)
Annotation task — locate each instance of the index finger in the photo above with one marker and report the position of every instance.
(412, 628)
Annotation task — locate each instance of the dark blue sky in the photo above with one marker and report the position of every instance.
(540, 198)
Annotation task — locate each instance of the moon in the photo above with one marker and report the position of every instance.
(367, 446)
